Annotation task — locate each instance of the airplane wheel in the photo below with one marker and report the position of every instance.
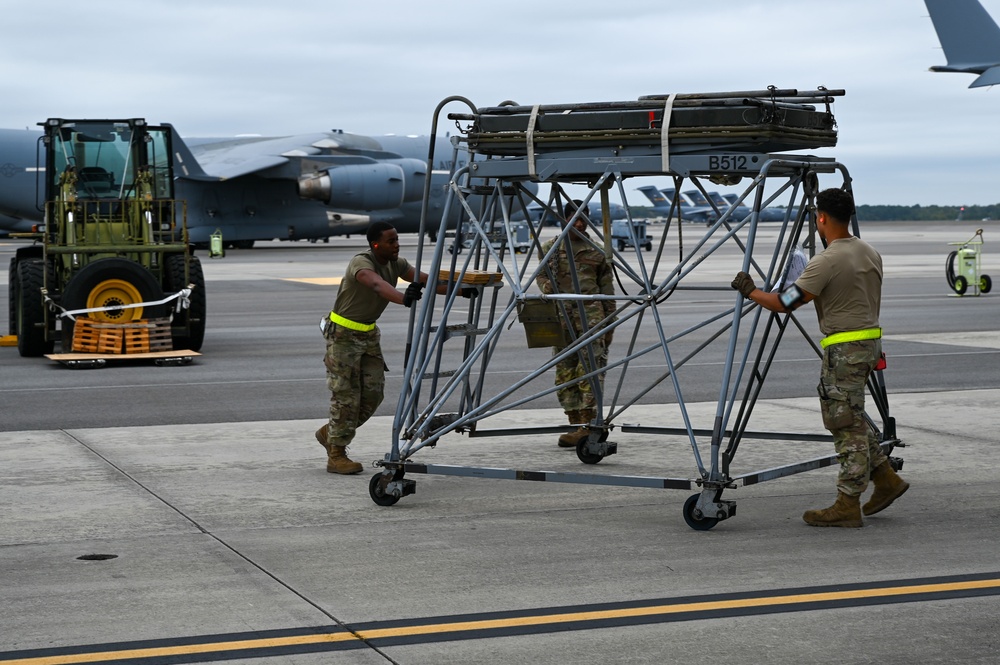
(960, 285)
(697, 523)
(109, 283)
(376, 493)
(31, 340)
(985, 284)
(194, 316)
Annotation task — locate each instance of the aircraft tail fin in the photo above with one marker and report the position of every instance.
(969, 37)
(655, 196)
(185, 164)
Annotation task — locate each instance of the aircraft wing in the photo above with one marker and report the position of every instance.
(215, 159)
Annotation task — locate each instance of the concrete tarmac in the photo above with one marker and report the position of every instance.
(228, 541)
(232, 542)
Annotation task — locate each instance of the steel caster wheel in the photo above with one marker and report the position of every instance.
(379, 496)
(697, 523)
(586, 457)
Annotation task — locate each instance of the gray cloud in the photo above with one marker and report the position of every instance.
(225, 67)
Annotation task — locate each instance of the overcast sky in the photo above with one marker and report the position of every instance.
(220, 68)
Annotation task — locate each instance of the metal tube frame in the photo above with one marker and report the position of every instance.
(456, 400)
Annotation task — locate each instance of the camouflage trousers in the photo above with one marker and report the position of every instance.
(355, 375)
(842, 402)
(576, 393)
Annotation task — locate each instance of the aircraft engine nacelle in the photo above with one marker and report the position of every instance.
(415, 173)
(377, 186)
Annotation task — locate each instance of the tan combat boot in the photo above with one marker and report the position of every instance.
(571, 439)
(339, 462)
(846, 511)
(888, 488)
(321, 435)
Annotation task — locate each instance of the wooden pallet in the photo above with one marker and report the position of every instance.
(140, 336)
(148, 336)
(478, 277)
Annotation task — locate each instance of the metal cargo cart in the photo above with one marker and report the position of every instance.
(724, 138)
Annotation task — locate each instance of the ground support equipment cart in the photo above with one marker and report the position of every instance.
(678, 324)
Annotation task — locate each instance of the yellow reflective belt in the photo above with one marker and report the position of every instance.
(851, 336)
(353, 325)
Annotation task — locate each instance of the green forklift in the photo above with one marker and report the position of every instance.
(113, 250)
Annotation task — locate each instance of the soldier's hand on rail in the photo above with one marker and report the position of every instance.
(744, 284)
(412, 294)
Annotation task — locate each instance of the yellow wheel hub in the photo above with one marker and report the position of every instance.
(115, 293)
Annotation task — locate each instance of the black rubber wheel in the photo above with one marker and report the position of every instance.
(949, 269)
(31, 341)
(12, 297)
(621, 245)
(985, 283)
(585, 457)
(961, 286)
(194, 316)
(107, 282)
(703, 524)
(377, 495)
(649, 246)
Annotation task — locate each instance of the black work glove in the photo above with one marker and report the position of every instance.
(469, 292)
(412, 294)
(744, 284)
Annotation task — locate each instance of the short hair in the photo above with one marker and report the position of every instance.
(572, 207)
(376, 229)
(836, 203)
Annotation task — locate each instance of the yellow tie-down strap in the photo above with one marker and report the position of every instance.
(851, 336)
(353, 325)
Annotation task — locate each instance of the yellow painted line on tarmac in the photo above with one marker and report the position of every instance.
(187, 649)
(354, 639)
(634, 612)
(319, 281)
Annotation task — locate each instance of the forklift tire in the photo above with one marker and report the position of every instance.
(985, 284)
(31, 340)
(960, 285)
(108, 282)
(194, 316)
(12, 297)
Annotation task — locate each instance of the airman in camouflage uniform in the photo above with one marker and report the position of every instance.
(594, 276)
(355, 368)
(845, 280)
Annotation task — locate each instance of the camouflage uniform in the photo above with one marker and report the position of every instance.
(841, 388)
(594, 275)
(846, 279)
(355, 368)
(355, 375)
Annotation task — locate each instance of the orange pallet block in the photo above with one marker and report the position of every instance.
(92, 337)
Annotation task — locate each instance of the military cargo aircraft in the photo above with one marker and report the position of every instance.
(663, 199)
(970, 39)
(249, 188)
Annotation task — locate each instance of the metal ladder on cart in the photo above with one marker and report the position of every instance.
(724, 138)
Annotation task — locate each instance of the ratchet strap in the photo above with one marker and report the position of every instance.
(353, 325)
(851, 336)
